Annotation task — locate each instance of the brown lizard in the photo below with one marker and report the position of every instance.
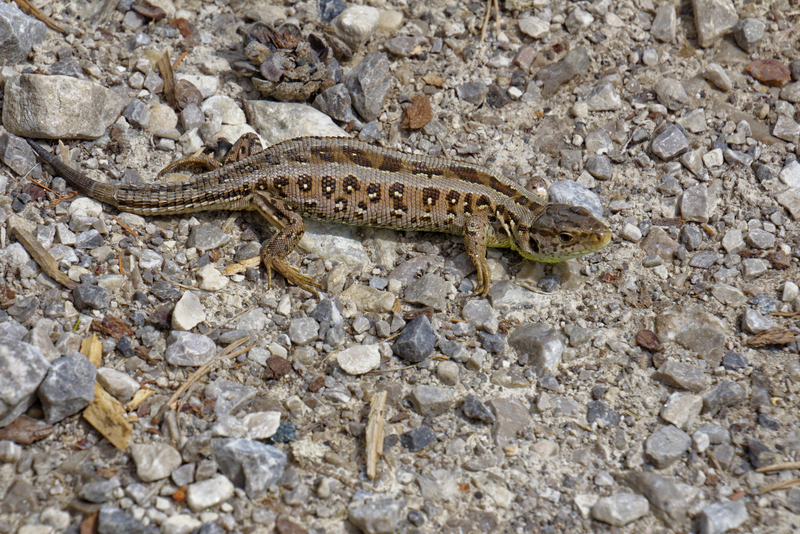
(347, 181)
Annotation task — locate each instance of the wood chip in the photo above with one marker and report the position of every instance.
(108, 417)
(43, 258)
(374, 433)
(138, 398)
(168, 75)
(92, 348)
(774, 336)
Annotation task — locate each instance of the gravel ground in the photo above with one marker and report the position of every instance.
(648, 387)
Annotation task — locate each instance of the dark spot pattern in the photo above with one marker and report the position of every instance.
(281, 182)
(420, 167)
(391, 164)
(483, 202)
(328, 186)
(429, 197)
(468, 204)
(340, 205)
(374, 192)
(326, 154)
(304, 183)
(357, 156)
(350, 184)
(452, 199)
(396, 191)
(298, 156)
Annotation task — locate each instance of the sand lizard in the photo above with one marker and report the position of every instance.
(351, 182)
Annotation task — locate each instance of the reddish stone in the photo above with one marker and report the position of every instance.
(769, 72)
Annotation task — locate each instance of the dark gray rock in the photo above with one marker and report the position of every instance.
(418, 439)
(115, 521)
(249, 464)
(20, 32)
(91, 296)
(68, 387)
(369, 83)
(417, 340)
(602, 414)
(725, 394)
(475, 409)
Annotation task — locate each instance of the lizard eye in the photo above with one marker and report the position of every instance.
(565, 237)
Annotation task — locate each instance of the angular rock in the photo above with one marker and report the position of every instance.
(68, 387)
(249, 464)
(24, 367)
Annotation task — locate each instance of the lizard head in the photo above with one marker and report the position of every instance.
(561, 232)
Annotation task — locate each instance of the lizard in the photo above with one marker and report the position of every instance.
(348, 181)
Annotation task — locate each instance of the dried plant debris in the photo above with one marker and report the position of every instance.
(285, 65)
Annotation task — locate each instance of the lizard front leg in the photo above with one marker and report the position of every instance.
(475, 243)
(290, 231)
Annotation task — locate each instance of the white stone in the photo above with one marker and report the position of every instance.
(262, 425)
(790, 175)
(227, 107)
(207, 85)
(188, 312)
(534, 27)
(86, 206)
(117, 383)
(356, 23)
(208, 493)
(713, 158)
(180, 524)
(211, 279)
(790, 292)
(359, 359)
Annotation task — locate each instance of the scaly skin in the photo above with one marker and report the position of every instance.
(347, 181)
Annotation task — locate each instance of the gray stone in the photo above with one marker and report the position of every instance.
(791, 93)
(725, 394)
(58, 107)
(24, 367)
(480, 314)
(117, 383)
(597, 141)
(603, 98)
(190, 350)
(430, 290)
(231, 396)
(205, 237)
(665, 23)
(512, 418)
(670, 500)
(666, 445)
(418, 438)
(681, 409)
(378, 516)
(721, 517)
(578, 20)
(68, 387)
(574, 194)
(670, 143)
(154, 461)
(620, 509)
(670, 93)
(695, 204)
(506, 296)
(748, 33)
(416, 341)
(208, 493)
(20, 32)
(100, 491)
(694, 329)
(115, 521)
(717, 76)
(755, 323)
(754, 267)
(431, 400)
(575, 64)
(599, 166)
(787, 129)
(790, 174)
(369, 83)
(713, 19)
(137, 113)
(602, 414)
(303, 331)
(91, 296)
(335, 102)
(405, 46)
(249, 464)
(472, 92)
(475, 409)
(539, 346)
(682, 375)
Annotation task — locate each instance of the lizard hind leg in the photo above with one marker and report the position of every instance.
(475, 243)
(290, 230)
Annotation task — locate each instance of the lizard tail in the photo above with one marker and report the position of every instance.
(93, 188)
